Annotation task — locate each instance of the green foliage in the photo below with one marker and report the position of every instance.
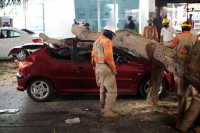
(2, 70)
(5, 3)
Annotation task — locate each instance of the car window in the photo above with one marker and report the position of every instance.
(9, 34)
(131, 52)
(84, 54)
(28, 31)
(60, 54)
(14, 34)
(4, 34)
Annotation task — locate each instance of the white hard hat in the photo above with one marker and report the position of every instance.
(110, 28)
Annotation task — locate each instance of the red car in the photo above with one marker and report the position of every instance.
(69, 70)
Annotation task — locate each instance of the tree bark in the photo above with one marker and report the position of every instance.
(190, 115)
(155, 83)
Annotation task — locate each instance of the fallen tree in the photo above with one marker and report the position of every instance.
(184, 66)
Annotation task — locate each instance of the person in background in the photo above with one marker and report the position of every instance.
(105, 70)
(191, 21)
(82, 22)
(86, 26)
(192, 30)
(130, 24)
(167, 32)
(75, 22)
(150, 31)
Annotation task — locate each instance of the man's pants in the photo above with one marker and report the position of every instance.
(167, 43)
(108, 88)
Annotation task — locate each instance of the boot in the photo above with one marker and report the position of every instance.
(109, 114)
(109, 106)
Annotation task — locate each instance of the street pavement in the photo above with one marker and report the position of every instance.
(49, 117)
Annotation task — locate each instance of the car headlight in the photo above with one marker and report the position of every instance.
(20, 76)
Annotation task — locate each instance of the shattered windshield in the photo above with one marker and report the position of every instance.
(130, 52)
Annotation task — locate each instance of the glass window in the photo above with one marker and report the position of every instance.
(106, 13)
(87, 10)
(125, 8)
(4, 33)
(177, 13)
(14, 34)
(113, 12)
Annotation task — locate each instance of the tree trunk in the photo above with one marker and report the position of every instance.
(155, 83)
(190, 115)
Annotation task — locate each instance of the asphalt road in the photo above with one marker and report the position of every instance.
(49, 117)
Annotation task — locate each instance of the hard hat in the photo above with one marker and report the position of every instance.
(186, 24)
(150, 19)
(165, 20)
(110, 28)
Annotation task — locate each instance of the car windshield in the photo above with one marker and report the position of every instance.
(130, 52)
(28, 31)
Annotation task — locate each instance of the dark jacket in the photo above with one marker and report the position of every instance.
(130, 24)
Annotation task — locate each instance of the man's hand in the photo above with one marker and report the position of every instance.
(114, 71)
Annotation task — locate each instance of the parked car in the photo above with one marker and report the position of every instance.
(69, 70)
(11, 37)
(22, 51)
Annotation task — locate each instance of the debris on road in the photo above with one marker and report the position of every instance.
(9, 111)
(70, 121)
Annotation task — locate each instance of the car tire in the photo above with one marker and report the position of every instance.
(145, 85)
(22, 55)
(40, 89)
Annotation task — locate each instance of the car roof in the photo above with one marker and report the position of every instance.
(12, 28)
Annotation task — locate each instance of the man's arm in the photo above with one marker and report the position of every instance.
(161, 39)
(174, 31)
(174, 42)
(92, 57)
(155, 33)
(144, 31)
(108, 53)
(161, 36)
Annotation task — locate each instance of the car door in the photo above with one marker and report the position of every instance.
(125, 72)
(8, 40)
(83, 71)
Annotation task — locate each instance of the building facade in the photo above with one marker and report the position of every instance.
(55, 17)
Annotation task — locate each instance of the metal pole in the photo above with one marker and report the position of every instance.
(187, 13)
(98, 15)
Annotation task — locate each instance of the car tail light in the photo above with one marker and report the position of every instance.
(37, 40)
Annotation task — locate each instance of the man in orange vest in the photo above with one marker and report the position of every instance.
(105, 70)
(150, 31)
(183, 42)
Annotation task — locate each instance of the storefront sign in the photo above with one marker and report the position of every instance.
(5, 21)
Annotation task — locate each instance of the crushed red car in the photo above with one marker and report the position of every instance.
(69, 70)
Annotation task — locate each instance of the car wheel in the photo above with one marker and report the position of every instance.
(40, 89)
(22, 55)
(144, 87)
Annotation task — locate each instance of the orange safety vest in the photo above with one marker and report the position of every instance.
(102, 51)
(150, 32)
(184, 41)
